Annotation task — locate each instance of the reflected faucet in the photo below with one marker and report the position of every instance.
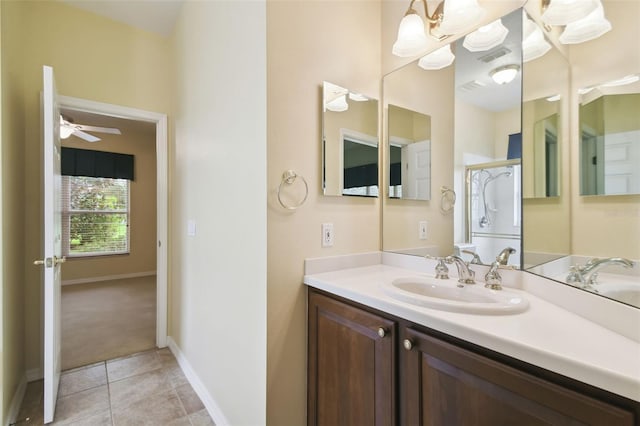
(503, 257)
(465, 275)
(587, 276)
(476, 259)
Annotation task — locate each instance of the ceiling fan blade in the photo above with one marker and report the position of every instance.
(86, 136)
(110, 130)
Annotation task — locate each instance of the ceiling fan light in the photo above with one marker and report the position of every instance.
(505, 74)
(460, 15)
(563, 12)
(486, 37)
(412, 39)
(438, 59)
(589, 28)
(65, 131)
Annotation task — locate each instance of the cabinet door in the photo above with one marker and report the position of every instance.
(443, 384)
(351, 365)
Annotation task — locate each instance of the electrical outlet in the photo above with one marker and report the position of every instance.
(422, 230)
(327, 235)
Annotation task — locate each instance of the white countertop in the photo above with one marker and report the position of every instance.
(545, 335)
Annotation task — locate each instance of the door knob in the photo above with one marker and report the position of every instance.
(48, 262)
(59, 260)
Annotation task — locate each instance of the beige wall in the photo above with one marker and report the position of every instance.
(219, 294)
(93, 58)
(604, 225)
(13, 208)
(307, 43)
(138, 140)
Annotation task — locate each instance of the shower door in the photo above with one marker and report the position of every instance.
(493, 208)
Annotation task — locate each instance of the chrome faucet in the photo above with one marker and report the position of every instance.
(587, 276)
(476, 259)
(503, 257)
(465, 275)
(493, 279)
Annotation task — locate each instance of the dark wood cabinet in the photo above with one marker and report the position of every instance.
(443, 384)
(418, 376)
(351, 378)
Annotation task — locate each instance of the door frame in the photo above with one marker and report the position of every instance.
(162, 189)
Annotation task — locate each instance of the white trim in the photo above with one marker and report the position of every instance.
(34, 374)
(108, 278)
(212, 408)
(16, 401)
(162, 149)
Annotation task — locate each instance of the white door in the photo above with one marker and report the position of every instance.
(417, 164)
(52, 243)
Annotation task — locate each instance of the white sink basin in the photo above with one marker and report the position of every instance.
(447, 296)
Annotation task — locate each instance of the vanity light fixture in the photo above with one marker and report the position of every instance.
(335, 97)
(504, 74)
(554, 98)
(450, 17)
(486, 37)
(591, 27)
(437, 59)
(358, 97)
(562, 12)
(534, 44)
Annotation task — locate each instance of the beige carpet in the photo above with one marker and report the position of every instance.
(108, 319)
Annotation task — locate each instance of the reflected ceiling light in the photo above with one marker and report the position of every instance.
(562, 12)
(629, 79)
(534, 44)
(338, 104)
(335, 97)
(358, 97)
(438, 59)
(486, 37)
(460, 15)
(553, 98)
(450, 17)
(588, 28)
(505, 74)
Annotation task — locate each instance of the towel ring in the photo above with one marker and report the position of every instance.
(448, 199)
(289, 177)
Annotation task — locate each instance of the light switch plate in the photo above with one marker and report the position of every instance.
(422, 230)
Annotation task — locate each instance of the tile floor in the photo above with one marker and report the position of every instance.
(147, 388)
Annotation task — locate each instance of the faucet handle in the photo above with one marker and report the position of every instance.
(442, 272)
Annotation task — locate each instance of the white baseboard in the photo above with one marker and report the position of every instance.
(35, 374)
(16, 401)
(108, 278)
(214, 410)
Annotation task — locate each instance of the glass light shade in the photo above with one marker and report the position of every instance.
(589, 28)
(358, 97)
(65, 132)
(412, 40)
(563, 12)
(629, 79)
(534, 45)
(338, 104)
(460, 15)
(438, 59)
(504, 75)
(486, 37)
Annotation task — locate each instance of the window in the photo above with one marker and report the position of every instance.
(95, 216)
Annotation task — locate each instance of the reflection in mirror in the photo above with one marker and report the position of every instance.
(610, 138)
(488, 147)
(409, 154)
(541, 138)
(600, 253)
(350, 142)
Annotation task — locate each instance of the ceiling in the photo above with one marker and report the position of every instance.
(157, 16)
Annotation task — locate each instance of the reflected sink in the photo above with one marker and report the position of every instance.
(445, 295)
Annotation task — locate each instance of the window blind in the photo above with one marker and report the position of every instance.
(98, 164)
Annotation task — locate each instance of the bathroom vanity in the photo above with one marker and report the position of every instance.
(373, 359)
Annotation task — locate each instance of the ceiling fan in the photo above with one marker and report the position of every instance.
(68, 128)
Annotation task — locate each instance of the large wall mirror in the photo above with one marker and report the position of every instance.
(587, 236)
(349, 142)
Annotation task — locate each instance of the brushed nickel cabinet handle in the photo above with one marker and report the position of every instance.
(382, 332)
(407, 344)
